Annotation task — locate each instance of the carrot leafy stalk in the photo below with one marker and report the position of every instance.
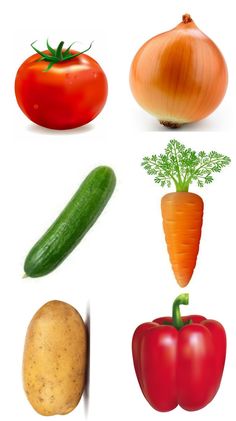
(182, 212)
(182, 166)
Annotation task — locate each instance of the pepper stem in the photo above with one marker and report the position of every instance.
(186, 18)
(176, 315)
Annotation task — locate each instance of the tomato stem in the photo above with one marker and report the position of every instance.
(176, 315)
(57, 55)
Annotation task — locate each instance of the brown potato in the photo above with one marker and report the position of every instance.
(55, 359)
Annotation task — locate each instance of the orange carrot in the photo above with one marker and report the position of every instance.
(182, 212)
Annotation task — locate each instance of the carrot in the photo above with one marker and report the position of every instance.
(182, 211)
(182, 215)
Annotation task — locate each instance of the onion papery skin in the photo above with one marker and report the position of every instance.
(179, 76)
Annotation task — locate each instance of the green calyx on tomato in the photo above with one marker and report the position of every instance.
(57, 55)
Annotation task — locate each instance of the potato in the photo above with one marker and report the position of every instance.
(55, 359)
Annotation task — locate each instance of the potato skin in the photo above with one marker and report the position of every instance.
(55, 359)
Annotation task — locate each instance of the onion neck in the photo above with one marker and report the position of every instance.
(186, 18)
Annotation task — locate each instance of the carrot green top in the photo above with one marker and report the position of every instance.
(183, 166)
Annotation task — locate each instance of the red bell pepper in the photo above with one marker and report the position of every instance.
(179, 360)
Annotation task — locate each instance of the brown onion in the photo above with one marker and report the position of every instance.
(179, 76)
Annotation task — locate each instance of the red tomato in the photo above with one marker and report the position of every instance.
(70, 94)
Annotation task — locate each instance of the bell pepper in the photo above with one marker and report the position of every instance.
(179, 360)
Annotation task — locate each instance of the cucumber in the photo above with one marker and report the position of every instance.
(72, 224)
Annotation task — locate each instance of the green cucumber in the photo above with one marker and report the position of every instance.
(72, 224)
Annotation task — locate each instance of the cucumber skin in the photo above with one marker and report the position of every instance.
(72, 224)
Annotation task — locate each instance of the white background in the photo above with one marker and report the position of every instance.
(121, 269)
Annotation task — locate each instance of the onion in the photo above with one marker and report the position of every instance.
(179, 76)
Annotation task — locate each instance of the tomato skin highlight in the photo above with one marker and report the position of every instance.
(72, 93)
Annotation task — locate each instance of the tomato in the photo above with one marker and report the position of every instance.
(61, 95)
